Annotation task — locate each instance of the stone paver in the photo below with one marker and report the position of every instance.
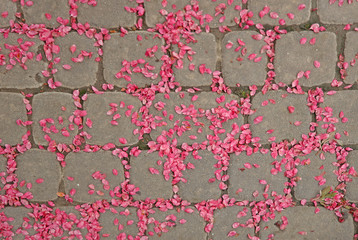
(81, 167)
(53, 106)
(247, 180)
(311, 225)
(3, 169)
(352, 193)
(131, 48)
(197, 188)
(107, 14)
(205, 49)
(245, 72)
(11, 109)
(343, 101)
(43, 165)
(73, 216)
(18, 214)
(292, 57)
(103, 131)
(18, 77)
(350, 54)
(82, 73)
(285, 128)
(278, 9)
(150, 185)
(226, 217)
(333, 14)
(9, 7)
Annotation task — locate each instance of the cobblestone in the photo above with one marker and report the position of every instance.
(352, 193)
(334, 14)
(9, 7)
(18, 213)
(351, 56)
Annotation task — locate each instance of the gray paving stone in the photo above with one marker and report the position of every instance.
(17, 77)
(9, 7)
(307, 187)
(224, 220)
(205, 101)
(36, 13)
(18, 214)
(246, 72)
(129, 48)
(352, 192)
(350, 52)
(107, 14)
(81, 166)
(281, 8)
(197, 188)
(102, 130)
(53, 105)
(75, 216)
(43, 164)
(205, 49)
(3, 166)
(192, 229)
(285, 128)
(333, 14)
(208, 7)
(248, 179)
(343, 101)
(150, 185)
(125, 217)
(11, 109)
(303, 219)
(83, 73)
(293, 57)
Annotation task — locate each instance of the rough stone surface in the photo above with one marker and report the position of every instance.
(293, 57)
(150, 185)
(307, 187)
(43, 164)
(285, 128)
(18, 214)
(247, 180)
(281, 8)
(334, 14)
(226, 217)
(102, 130)
(11, 109)
(197, 188)
(35, 14)
(129, 48)
(53, 105)
(10, 7)
(352, 192)
(350, 55)
(245, 72)
(82, 165)
(17, 77)
(343, 102)
(303, 219)
(83, 73)
(107, 14)
(205, 49)
(3, 165)
(153, 16)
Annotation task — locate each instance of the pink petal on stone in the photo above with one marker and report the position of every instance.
(317, 64)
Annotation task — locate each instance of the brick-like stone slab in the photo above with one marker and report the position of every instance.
(107, 14)
(226, 217)
(43, 164)
(281, 8)
(35, 14)
(75, 216)
(82, 165)
(293, 57)
(303, 219)
(197, 188)
(129, 48)
(277, 117)
(10, 7)
(18, 214)
(83, 73)
(150, 185)
(205, 49)
(352, 191)
(3, 169)
(17, 77)
(246, 72)
(333, 14)
(102, 130)
(350, 53)
(12, 108)
(248, 179)
(53, 105)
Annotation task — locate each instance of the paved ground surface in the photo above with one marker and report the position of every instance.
(178, 119)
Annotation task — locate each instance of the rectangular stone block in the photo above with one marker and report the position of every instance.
(17, 214)
(352, 190)
(9, 7)
(335, 14)
(351, 56)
